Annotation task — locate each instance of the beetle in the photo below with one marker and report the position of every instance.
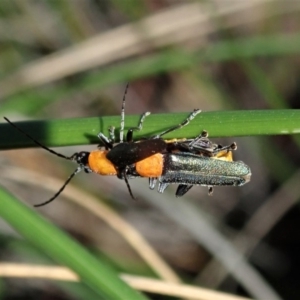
(156, 159)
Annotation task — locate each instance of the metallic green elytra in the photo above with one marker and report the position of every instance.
(187, 169)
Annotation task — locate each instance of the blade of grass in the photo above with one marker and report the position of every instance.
(57, 245)
(164, 61)
(84, 130)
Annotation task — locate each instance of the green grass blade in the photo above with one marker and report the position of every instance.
(60, 247)
(84, 130)
(256, 46)
(165, 61)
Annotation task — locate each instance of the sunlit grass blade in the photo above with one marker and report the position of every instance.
(63, 249)
(84, 130)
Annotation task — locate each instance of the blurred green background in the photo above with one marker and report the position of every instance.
(63, 59)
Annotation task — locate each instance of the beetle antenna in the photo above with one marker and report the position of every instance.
(123, 115)
(61, 189)
(35, 141)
